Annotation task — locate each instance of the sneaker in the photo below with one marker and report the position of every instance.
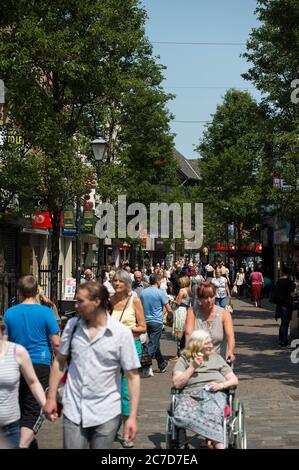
(150, 372)
(164, 369)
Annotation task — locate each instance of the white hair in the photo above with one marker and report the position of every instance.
(123, 276)
(195, 343)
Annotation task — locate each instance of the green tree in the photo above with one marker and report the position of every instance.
(15, 166)
(272, 50)
(61, 60)
(230, 163)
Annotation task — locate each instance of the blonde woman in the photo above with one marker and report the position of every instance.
(182, 302)
(239, 282)
(127, 309)
(202, 375)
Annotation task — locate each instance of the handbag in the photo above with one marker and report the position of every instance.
(146, 359)
(234, 291)
(62, 382)
(230, 306)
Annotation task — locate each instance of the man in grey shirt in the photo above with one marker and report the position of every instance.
(100, 347)
(138, 285)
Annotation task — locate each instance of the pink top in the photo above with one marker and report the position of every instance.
(256, 278)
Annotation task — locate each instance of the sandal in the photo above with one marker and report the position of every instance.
(127, 445)
(124, 442)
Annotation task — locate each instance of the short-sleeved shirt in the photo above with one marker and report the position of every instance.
(92, 393)
(220, 284)
(213, 370)
(31, 325)
(153, 301)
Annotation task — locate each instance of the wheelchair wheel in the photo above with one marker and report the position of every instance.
(175, 437)
(169, 432)
(239, 428)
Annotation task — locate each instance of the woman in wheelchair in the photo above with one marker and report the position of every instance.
(203, 376)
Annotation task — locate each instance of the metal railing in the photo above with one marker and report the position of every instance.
(44, 280)
(8, 290)
(9, 286)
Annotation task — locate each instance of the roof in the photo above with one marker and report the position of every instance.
(189, 168)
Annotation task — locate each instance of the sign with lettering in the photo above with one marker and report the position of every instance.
(70, 288)
(88, 221)
(69, 222)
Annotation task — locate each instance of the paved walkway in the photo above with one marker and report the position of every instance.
(269, 387)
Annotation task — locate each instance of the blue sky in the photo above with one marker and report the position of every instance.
(223, 21)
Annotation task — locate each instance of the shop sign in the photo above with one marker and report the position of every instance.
(123, 248)
(88, 221)
(69, 222)
(41, 220)
(280, 183)
(14, 138)
(70, 288)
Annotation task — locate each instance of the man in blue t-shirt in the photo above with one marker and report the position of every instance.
(34, 327)
(153, 300)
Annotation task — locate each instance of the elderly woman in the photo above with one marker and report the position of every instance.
(205, 314)
(127, 309)
(203, 376)
(109, 284)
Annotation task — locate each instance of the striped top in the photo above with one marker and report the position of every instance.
(9, 386)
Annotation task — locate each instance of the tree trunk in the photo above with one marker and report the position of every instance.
(55, 220)
(240, 237)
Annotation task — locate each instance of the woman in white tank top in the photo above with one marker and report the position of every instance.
(14, 360)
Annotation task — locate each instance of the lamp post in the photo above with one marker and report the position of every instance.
(99, 147)
(78, 240)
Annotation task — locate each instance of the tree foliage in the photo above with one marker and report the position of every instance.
(272, 50)
(230, 164)
(74, 69)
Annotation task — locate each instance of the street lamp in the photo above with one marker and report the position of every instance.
(99, 147)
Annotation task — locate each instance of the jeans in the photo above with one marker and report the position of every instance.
(11, 434)
(95, 437)
(154, 331)
(286, 314)
(221, 302)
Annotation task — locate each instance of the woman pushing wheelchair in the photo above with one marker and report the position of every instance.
(203, 377)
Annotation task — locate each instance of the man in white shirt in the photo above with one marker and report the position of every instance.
(100, 348)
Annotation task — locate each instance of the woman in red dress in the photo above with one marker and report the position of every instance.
(257, 282)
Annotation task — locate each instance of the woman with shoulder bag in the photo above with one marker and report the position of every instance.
(239, 282)
(127, 309)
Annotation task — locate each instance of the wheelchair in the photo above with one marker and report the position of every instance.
(233, 425)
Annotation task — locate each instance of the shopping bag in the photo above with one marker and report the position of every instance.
(234, 291)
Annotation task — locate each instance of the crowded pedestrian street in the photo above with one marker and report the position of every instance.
(268, 386)
(149, 227)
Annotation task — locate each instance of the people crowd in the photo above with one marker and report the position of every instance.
(114, 337)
